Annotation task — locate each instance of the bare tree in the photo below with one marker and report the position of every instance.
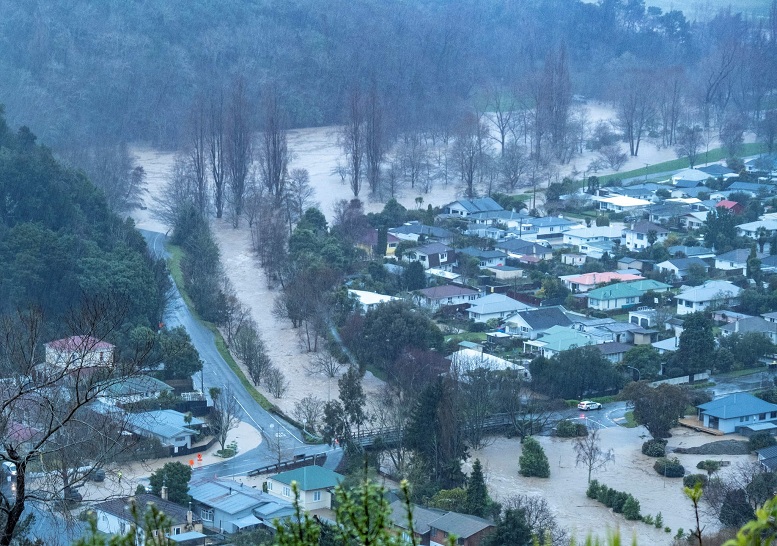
(689, 143)
(589, 454)
(634, 106)
(197, 153)
(235, 313)
(51, 402)
(670, 102)
(217, 152)
(612, 156)
(299, 195)
(468, 149)
(413, 156)
(239, 147)
(309, 411)
(513, 165)
(178, 193)
(502, 105)
(279, 444)
(375, 138)
(539, 518)
(352, 139)
(225, 414)
(251, 350)
(390, 412)
(276, 382)
(274, 154)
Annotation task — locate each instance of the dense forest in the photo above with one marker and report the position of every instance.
(113, 71)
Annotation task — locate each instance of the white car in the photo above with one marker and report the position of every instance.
(586, 405)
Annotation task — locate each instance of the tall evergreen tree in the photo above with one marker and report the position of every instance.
(533, 460)
(478, 502)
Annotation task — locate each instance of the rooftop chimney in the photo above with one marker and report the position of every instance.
(163, 492)
(189, 515)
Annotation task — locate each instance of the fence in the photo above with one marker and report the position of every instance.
(297, 462)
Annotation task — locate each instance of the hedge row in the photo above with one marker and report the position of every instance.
(620, 502)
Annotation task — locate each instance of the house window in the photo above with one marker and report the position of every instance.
(177, 531)
(286, 492)
(640, 236)
(773, 415)
(762, 417)
(269, 485)
(316, 496)
(206, 515)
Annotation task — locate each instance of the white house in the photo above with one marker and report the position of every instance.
(115, 517)
(621, 203)
(740, 410)
(79, 351)
(589, 281)
(467, 360)
(369, 300)
(529, 324)
(735, 259)
(170, 427)
(465, 207)
(495, 306)
(435, 297)
(679, 268)
(580, 237)
(435, 255)
(316, 486)
(750, 229)
(699, 298)
(636, 237)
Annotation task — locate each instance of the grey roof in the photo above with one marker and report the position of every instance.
(547, 221)
(477, 205)
(715, 170)
(497, 303)
(737, 405)
(643, 226)
(120, 508)
(685, 263)
(522, 246)
(310, 478)
(163, 423)
(461, 525)
(694, 192)
(750, 186)
(709, 291)
(544, 318)
(483, 254)
(627, 260)
(500, 215)
(772, 315)
(613, 348)
(690, 251)
(422, 517)
(682, 183)
(139, 385)
(446, 291)
(669, 209)
(767, 452)
(415, 228)
(748, 325)
(669, 344)
(738, 255)
(432, 248)
(226, 495)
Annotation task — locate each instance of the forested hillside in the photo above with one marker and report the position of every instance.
(60, 244)
(114, 71)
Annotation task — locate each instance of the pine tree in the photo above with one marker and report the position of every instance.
(533, 460)
(478, 502)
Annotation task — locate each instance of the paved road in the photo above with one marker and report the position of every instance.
(217, 373)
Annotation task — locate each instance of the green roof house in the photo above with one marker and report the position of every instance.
(623, 294)
(557, 339)
(316, 485)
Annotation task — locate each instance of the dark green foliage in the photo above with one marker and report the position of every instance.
(720, 230)
(414, 276)
(392, 328)
(692, 479)
(631, 509)
(533, 461)
(593, 489)
(657, 408)
(567, 428)
(761, 440)
(179, 356)
(575, 374)
(619, 501)
(645, 358)
(477, 502)
(654, 448)
(735, 510)
(709, 466)
(511, 529)
(669, 468)
(747, 348)
(697, 344)
(176, 477)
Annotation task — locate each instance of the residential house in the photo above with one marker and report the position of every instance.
(468, 530)
(667, 213)
(638, 235)
(711, 293)
(679, 268)
(728, 316)
(116, 517)
(589, 281)
(637, 191)
(682, 251)
(771, 317)
(669, 345)
(416, 231)
(716, 170)
(519, 248)
(614, 351)
(507, 218)
(614, 296)
(79, 352)
(689, 175)
(767, 458)
(421, 517)
(627, 263)
(495, 306)
(597, 249)
(370, 300)
(531, 323)
(486, 232)
(621, 203)
(557, 339)
(316, 486)
(227, 506)
(435, 297)
(576, 260)
(465, 207)
(369, 241)
(505, 272)
(732, 206)
(547, 227)
(436, 255)
(170, 427)
(485, 258)
(470, 359)
(751, 325)
(764, 164)
(751, 229)
(584, 236)
(769, 264)
(735, 259)
(751, 188)
(644, 317)
(738, 411)
(693, 220)
(619, 332)
(134, 389)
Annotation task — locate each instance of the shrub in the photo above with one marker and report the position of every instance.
(648, 519)
(570, 429)
(593, 489)
(619, 500)
(692, 479)
(659, 520)
(709, 466)
(760, 441)
(654, 448)
(670, 468)
(533, 460)
(631, 508)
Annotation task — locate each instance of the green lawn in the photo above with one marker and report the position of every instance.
(630, 422)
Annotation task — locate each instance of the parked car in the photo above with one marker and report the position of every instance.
(8, 468)
(586, 405)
